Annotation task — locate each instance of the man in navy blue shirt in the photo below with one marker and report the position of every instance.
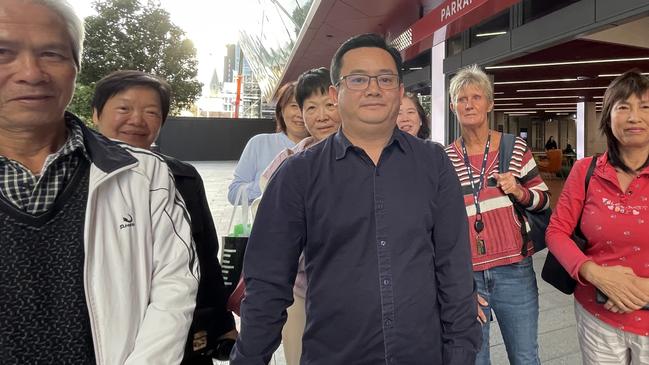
(380, 217)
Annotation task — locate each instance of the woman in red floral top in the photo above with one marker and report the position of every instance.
(614, 222)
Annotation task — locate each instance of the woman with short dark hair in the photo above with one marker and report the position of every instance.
(613, 216)
(131, 106)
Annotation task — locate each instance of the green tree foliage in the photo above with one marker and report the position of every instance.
(135, 35)
(80, 104)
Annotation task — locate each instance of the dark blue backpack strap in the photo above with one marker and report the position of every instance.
(505, 151)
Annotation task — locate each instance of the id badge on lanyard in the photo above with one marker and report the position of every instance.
(478, 225)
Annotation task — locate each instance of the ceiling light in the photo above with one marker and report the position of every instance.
(568, 63)
(598, 97)
(514, 109)
(563, 89)
(479, 35)
(562, 113)
(616, 75)
(561, 110)
(524, 109)
(538, 97)
(556, 103)
(508, 104)
(531, 81)
(499, 93)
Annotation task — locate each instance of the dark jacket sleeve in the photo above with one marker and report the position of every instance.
(270, 265)
(210, 313)
(461, 332)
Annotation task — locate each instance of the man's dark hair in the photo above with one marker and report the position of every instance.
(364, 40)
(629, 83)
(310, 82)
(118, 81)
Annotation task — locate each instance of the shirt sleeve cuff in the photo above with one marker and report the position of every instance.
(527, 196)
(576, 275)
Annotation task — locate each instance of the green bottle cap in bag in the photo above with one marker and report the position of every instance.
(241, 230)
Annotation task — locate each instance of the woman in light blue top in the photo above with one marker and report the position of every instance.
(262, 148)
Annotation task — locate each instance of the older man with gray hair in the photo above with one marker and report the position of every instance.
(97, 263)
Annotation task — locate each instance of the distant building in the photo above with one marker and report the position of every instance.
(250, 94)
(267, 110)
(215, 84)
(219, 105)
(229, 62)
(233, 62)
(222, 98)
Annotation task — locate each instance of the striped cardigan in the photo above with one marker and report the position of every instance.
(502, 232)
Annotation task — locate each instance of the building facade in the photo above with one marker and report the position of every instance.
(550, 60)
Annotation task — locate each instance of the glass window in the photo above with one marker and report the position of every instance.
(492, 27)
(267, 36)
(533, 9)
(454, 45)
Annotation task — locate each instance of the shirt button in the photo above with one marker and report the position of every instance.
(386, 282)
(383, 243)
(388, 323)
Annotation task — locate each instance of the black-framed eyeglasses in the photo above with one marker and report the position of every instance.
(362, 82)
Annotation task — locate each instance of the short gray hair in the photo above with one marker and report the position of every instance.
(470, 75)
(73, 24)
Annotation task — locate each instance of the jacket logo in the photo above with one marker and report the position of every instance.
(128, 222)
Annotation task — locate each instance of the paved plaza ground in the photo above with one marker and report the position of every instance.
(557, 336)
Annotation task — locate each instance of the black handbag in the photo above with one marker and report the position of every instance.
(202, 345)
(553, 272)
(538, 220)
(234, 249)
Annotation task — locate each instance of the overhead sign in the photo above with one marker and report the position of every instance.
(447, 12)
(449, 18)
(451, 9)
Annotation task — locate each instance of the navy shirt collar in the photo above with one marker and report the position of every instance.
(342, 144)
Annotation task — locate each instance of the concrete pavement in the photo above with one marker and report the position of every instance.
(557, 336)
